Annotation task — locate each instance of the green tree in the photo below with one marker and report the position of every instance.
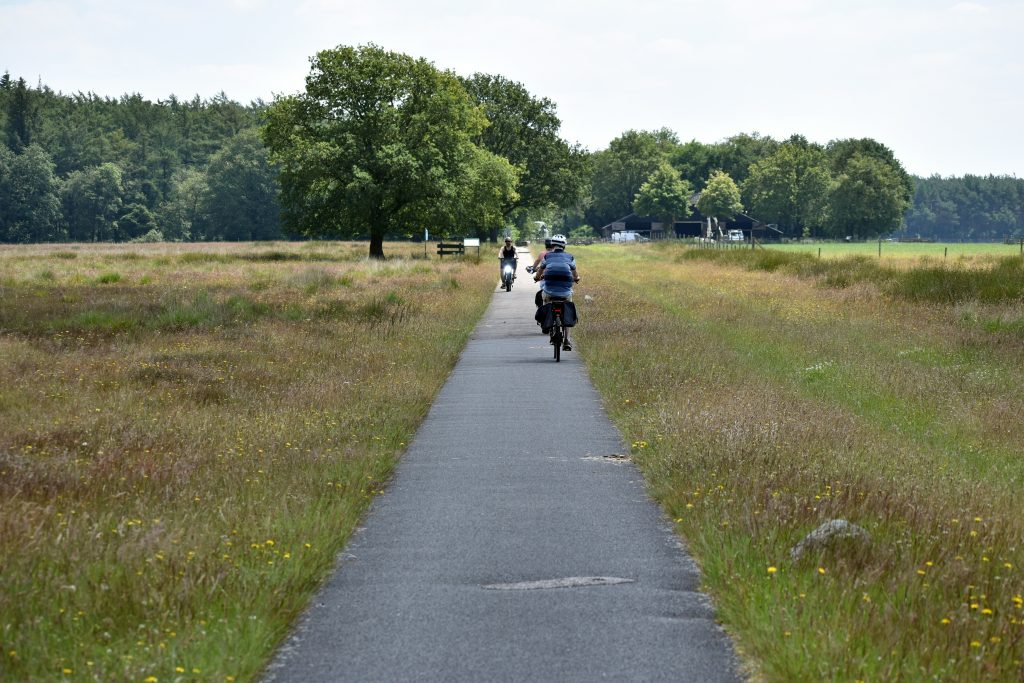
(790, 187)
(665, 195)
(29, 200)
(21, 115)
(379, 143)
(240, 202)
(93, 200)
(720, 198)
(489, 187)
(182, 216)
(620, 170)
(842, 153)
(525, 130)
(695, 162)
(134, 221)
(735, 155)
(868, 199)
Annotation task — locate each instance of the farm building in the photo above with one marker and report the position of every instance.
(695, 225)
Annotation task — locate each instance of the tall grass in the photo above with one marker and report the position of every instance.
(901, 251)
(184, 450)
(761, 404)
(988, 280)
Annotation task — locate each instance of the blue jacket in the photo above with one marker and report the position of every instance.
(559, 271)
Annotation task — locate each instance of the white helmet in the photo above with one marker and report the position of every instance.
(558, 241)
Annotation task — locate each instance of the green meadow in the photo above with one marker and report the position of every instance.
(188, 434)
(902, 250)
(766, 393)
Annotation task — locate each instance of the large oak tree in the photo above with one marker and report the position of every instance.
(790, 187)
(379, 144)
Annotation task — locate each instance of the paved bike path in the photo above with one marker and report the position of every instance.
(508, 547)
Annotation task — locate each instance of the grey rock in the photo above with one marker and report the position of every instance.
(828, 534)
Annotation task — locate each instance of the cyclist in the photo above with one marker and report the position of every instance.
(532, 269)
(540, 257)
(557, 273)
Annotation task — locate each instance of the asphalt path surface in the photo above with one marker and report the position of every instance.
(515, 542)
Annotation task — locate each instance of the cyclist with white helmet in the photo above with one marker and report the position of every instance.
(557, 274)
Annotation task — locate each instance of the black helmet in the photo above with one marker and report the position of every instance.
(547, 243)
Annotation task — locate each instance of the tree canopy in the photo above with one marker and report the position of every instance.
(620, 170)
(968, 208)
(379, 143)
(868, 199)
(790, 187)
(122, 168)
(665, 194)
(79, 166)
(29, 200)
(525, 130)
(720, 198)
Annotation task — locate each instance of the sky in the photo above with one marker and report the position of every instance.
(940, 82)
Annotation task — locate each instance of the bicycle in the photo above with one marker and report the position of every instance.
(556, 334)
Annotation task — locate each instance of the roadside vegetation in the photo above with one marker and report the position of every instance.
(894, 252)
(766, 393)
(927, 280)
(189, 433)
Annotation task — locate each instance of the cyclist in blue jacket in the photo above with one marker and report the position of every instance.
(557, 274)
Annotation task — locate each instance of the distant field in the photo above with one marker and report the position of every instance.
(188, 434)
(902, 250)
(765, 393)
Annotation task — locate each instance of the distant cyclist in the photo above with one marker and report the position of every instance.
(557, 274)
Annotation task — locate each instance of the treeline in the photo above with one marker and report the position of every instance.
(971, 208)
(853, 187)
(86, 168)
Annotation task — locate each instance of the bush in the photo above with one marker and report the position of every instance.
(154, 235)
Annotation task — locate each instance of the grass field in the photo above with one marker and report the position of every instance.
(764, 395)
(902, 250)
(188, 433)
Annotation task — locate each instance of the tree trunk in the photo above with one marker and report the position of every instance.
(377, 244)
